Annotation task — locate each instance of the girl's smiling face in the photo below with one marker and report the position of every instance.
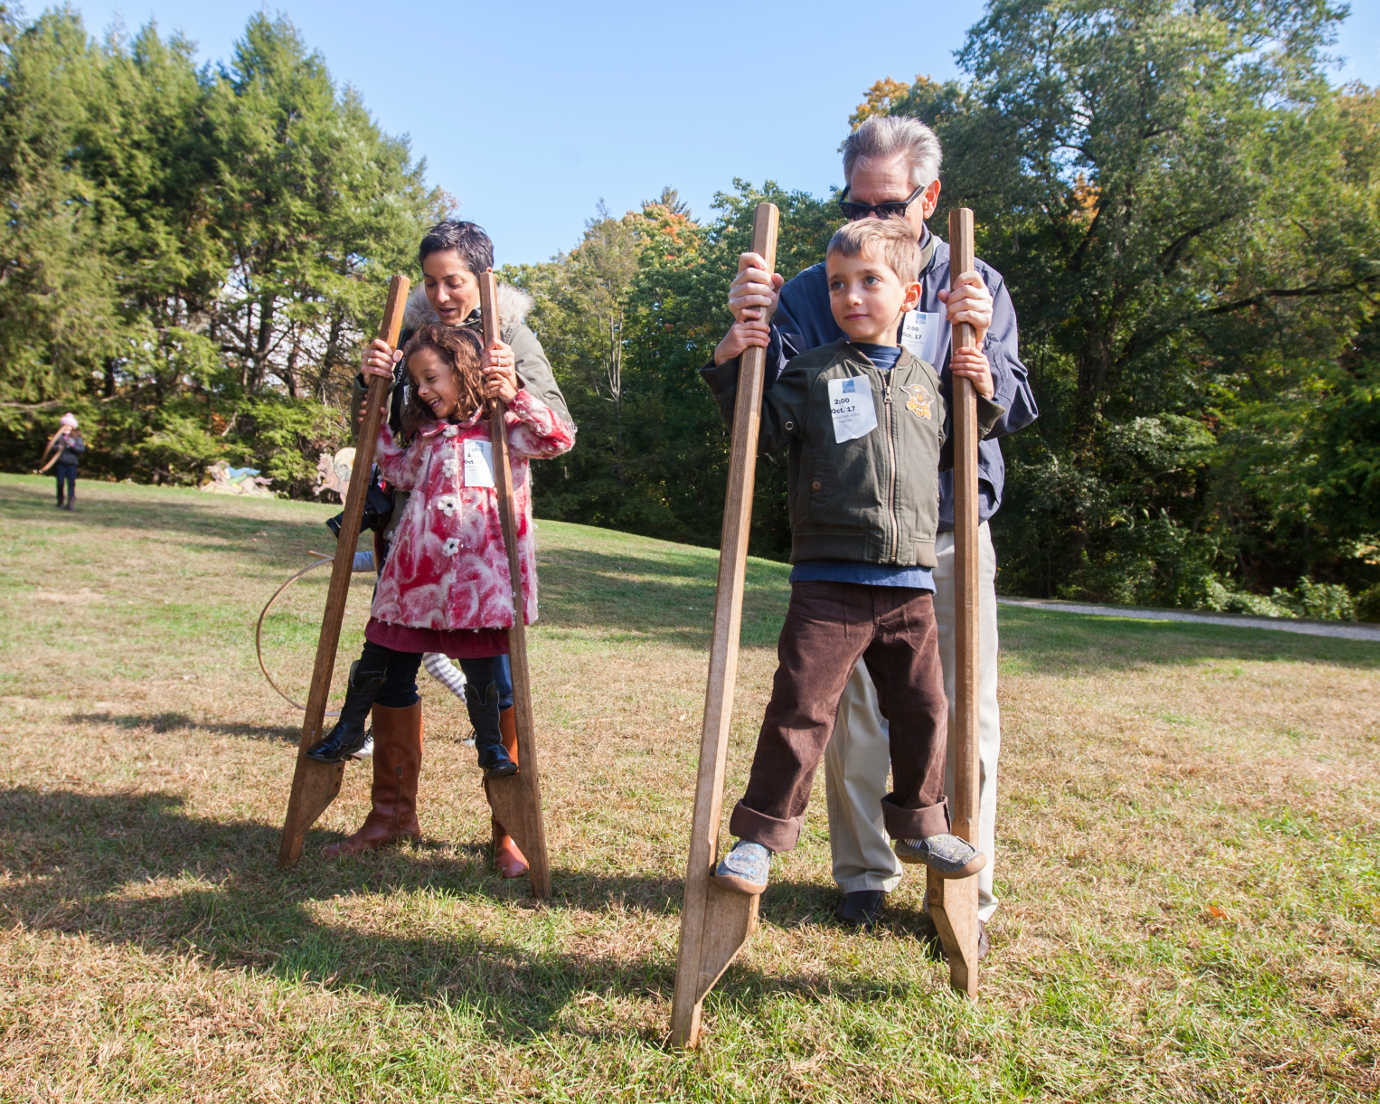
(434, 379)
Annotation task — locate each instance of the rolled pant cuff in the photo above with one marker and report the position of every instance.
(903, 823)
(773, 834)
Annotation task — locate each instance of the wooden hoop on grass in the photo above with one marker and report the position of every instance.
(259, 630)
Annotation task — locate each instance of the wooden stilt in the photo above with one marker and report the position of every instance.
(515, 800)
(314, 785)
(715, 922)
(953, 902)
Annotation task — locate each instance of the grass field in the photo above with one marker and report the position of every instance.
(1189, 865)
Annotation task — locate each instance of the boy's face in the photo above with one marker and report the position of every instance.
(867, 298)
(451, 288)
(433, 376)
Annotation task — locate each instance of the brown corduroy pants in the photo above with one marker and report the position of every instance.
(829, 626)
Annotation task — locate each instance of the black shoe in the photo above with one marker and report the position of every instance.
(861, 908)
(349, 733)
(340, 744)
(482, 704)
(495, 763)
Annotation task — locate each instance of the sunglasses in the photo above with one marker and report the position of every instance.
(890, 209)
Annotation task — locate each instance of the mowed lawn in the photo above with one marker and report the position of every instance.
(1189, 864)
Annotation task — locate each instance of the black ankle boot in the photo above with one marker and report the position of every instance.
(482, 703)
(347, 737)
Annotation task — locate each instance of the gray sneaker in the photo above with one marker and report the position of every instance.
(744, 869)
(366, 749)
(945, 854)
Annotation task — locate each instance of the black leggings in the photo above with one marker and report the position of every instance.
(66, 473)
(399, 688)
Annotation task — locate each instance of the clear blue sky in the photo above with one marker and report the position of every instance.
(529, 113)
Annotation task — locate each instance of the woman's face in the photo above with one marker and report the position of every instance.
(450, 287)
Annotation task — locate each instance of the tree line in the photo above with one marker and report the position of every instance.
(1184, 207)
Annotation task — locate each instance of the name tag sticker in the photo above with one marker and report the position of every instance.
(921, 333)
(479, 463)
(852, 408)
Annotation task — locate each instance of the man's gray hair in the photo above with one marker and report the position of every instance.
(887, 135)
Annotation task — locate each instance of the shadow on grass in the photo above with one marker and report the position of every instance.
(180, 722)
(94, 864)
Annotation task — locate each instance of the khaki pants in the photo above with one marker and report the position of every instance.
(857, 758)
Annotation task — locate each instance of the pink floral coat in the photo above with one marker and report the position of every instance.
(447, 567)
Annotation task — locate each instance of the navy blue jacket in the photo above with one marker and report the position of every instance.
(803, 321)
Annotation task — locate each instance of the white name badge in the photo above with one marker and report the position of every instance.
(854, 412)
(479, 463)
(921, 332)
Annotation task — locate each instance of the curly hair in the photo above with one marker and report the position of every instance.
(462, 348)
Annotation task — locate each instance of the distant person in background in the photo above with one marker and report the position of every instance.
(65, 447)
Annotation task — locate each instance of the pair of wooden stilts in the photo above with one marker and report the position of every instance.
(714, 922)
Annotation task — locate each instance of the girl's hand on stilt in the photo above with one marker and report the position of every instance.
(741, 337)
(500, 372)
(379, 359)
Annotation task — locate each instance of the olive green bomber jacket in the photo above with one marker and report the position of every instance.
(870, 498)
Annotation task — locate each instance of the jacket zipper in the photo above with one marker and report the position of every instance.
(894, 531)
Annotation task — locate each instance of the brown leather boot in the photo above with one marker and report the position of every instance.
(397, 765)
(511, 862)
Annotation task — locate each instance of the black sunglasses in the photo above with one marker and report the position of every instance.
(890, 209)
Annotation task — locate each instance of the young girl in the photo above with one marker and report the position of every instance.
(445, 585)
(65, 447)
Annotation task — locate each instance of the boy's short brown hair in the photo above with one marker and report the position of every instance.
(889, 239)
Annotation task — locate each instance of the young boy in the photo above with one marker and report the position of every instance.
(864, 423)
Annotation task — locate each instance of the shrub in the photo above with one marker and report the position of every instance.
(180, 448)
(283, 438)
(1324, 601)
(1368, 604)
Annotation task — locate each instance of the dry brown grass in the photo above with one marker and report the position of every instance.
(1189, 873)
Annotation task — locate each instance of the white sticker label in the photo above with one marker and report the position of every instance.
(479, 462)
(854, 412)
(921, 333)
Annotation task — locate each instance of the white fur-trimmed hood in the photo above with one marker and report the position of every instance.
(514, 304)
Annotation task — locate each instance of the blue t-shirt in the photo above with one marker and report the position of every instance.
(883, 356)
(867, 574)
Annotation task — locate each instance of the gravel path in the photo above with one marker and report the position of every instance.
(1346, 629)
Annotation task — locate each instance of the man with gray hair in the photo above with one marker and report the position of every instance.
(891, 170)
